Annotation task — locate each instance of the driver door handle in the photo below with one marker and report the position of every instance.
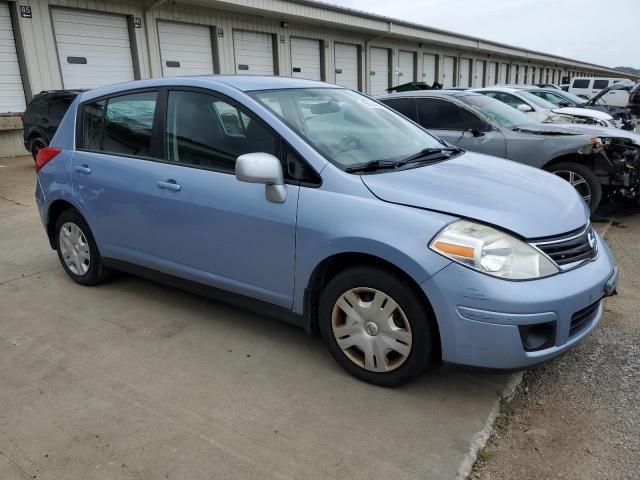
(83, 169)
(169, 185)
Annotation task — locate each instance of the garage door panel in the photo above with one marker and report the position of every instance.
(429, 68)
(448, 79)
(305, 58)
(11, 89)
(346, 65)
(379, 70)
(465, 72)
(255, 51)
(406, 67)
(185, 49)
(102, 39)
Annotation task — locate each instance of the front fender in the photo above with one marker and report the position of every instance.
(331, 223)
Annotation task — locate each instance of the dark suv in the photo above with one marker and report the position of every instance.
(42, 117)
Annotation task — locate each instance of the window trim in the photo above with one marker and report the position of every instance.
(158, 131)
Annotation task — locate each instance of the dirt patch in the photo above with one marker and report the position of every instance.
(578, 417)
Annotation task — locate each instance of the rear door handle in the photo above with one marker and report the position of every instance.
(169, 185)
(83, 169)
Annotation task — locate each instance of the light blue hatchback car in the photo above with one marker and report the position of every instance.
(329, 210)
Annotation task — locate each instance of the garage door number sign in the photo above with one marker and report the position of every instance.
(25, 11)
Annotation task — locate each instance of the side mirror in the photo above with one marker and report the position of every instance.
(564, 103)
(263, 168)
(523, 107)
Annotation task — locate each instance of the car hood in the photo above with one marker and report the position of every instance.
(524, 200)
(589, 131)
(583, 112)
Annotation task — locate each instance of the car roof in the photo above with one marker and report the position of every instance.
(498, 89)
(243, 83)
(427, 93)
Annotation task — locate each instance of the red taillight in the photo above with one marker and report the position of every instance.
(44, 156)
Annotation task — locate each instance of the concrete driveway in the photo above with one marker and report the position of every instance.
(133, 380)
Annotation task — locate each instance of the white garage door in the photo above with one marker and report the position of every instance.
(305, 58)
(492, 74)
(185, 49)
(253, 53)
(406, 67)
(503, 77)
(347, 66)
(379, 72)
(94, 48)
(11, 92)
(448, 78)
(465, 72)
(478, 78)
(429, 68)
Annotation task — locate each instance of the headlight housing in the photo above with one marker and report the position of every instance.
(491, 251)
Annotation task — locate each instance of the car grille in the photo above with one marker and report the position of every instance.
(572, 250)
(582, 318)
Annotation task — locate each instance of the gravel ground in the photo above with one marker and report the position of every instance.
(578, 417)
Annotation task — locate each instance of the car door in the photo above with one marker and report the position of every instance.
(459, 126)
(110, 172)
(206, 225)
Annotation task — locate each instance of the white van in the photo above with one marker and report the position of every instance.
(588, 87)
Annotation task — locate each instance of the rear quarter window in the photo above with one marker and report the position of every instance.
(600, 84)
(580, 83)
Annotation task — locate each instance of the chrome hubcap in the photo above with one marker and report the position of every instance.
(577, 181)
(371, 329)
(74, 249)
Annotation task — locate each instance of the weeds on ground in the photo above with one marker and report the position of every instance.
(505, 414)
(485, 455)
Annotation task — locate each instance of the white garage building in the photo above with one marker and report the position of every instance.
(55, 44)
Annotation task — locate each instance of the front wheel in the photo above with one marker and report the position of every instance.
(583, 179)
(376, 325)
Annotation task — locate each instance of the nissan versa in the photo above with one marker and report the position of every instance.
(329, 210)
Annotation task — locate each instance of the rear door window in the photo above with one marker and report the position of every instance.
(577, 83)
(443, 115)
(119, 125)
(128, 124)
(600, 84)
(406, 106)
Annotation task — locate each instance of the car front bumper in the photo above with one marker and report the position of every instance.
(481, 318)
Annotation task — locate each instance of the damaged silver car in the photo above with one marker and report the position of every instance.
(599, 162)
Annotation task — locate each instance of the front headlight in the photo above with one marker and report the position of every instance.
(491, 251)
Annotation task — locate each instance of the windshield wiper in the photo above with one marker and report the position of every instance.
(372, 166)
(427, 154)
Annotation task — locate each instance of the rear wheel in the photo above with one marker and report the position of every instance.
(77, 249)
(583, 179)
(375, 325)
(37, 144)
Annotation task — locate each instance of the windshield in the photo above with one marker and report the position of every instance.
(573, 98)
(540, 102)
(346, 127)
(499, 112)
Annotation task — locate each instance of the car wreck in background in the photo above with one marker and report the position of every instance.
(622, 116)
(598, 162)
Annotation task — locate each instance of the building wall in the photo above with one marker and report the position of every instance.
(313, 21)
(306, 21)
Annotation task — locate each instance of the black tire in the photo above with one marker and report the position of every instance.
(37, 144)
(563, 169)
(403, 293)
(96, 272)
